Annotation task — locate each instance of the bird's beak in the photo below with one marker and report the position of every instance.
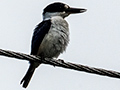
(75, 10)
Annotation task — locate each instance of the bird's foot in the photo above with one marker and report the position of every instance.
(60, 60)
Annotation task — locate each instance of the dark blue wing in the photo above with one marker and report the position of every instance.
(40, 31)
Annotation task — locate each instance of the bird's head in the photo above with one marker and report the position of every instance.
(60, 9)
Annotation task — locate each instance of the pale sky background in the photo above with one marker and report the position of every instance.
(94, 41)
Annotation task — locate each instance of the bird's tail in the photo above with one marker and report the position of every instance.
(26, 79)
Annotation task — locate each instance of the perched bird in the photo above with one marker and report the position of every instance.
(51, 36)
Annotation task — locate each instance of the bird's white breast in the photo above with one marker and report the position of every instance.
(56, 39)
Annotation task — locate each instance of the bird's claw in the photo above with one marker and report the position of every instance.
(60, 60)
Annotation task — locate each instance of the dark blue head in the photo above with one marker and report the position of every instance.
(60, 9)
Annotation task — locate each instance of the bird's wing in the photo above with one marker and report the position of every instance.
(40, 31)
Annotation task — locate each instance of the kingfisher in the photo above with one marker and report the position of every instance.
(51, 36)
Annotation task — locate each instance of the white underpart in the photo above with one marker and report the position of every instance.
(57, 39)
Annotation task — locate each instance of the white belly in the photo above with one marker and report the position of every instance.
(56, 40)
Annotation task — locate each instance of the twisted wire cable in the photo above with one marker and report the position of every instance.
(60, 63)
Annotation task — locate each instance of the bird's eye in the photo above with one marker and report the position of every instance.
(66, 6)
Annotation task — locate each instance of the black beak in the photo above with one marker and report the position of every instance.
(75, 10)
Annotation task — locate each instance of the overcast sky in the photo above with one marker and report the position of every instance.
(94, 41)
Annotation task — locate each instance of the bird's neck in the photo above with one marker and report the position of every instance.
(48, 16)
